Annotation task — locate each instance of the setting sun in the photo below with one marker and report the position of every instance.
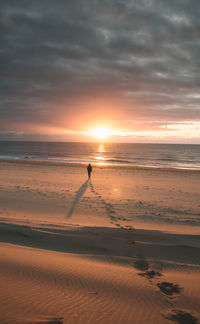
(101, 132)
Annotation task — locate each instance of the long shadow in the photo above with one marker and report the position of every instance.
(104, 240)
(79, 194)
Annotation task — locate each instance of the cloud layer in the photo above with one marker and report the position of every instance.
(132, 63)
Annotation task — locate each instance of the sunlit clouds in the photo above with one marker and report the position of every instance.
(69, 68)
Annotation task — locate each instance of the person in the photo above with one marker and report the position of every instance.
(89, 170)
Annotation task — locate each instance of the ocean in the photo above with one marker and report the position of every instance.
(179, 156)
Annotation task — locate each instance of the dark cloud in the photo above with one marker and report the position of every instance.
(56, 54)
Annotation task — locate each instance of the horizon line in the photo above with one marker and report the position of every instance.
(94, 142)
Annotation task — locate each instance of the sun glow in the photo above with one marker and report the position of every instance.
(101, 132)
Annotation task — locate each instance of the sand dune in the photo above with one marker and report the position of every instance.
(48, 287)
(156, 245)
(73, 288)
(96, 275)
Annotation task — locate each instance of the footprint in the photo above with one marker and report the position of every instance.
(150, 274)
(141, 264)
(181, 317)
(169, 288)
(108, 206)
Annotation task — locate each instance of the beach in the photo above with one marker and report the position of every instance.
(122, 247)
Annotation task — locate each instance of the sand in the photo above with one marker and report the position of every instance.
(123, 247)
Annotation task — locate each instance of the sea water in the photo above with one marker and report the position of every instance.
(149, 155)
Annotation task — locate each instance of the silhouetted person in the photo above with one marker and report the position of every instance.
(89, 170)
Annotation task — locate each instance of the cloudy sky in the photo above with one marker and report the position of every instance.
(68, 67)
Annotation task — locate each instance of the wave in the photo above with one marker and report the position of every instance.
(141, 155)
(117, 160)
(81, 163)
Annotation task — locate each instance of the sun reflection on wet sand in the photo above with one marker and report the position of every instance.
(99, 158)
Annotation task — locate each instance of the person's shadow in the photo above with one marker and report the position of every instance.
(79, 194)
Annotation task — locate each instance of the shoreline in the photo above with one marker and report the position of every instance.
(95, 164)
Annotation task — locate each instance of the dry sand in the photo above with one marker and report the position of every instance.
(123, 247)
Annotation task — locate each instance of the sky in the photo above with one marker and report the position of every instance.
(69, 67)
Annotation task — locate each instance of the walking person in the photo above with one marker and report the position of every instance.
(89, 170)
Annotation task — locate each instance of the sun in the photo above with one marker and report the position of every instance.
(101, 132)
